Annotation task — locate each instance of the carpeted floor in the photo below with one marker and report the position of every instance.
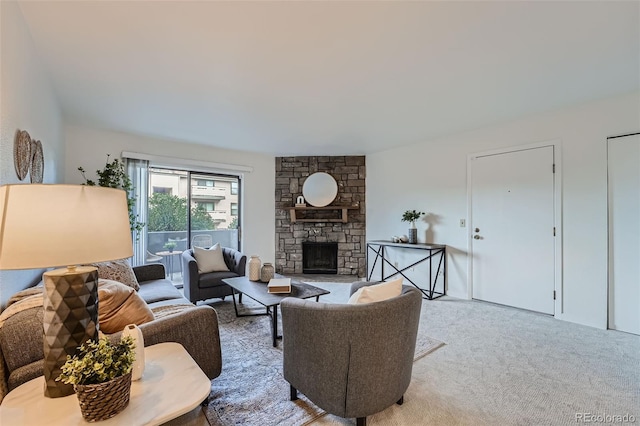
(506, 366)
(502, 366)
(251, 389)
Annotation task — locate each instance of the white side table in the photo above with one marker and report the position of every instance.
(172, 385)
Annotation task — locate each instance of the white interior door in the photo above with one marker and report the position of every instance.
(624, 234)
(512, 220)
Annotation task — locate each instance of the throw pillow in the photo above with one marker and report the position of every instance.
(118, 270)
(377, 292)
(119, 305)
(210, 260)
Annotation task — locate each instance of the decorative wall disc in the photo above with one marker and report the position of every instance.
(22, 153)
(37, 162)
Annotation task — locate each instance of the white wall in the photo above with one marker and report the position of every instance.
(27, 102)
(431, 176)
(89, 148)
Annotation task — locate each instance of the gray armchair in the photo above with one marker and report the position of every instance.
(351, 360)
(208, 286)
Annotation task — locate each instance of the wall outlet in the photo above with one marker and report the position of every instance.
(463, 223)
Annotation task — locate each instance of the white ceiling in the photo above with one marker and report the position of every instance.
(328, 78)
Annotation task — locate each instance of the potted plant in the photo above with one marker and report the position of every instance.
(114, 175)
(170, 246)
(100, 373)
(412, 216)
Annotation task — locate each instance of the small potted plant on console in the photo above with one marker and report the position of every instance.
(412, 216)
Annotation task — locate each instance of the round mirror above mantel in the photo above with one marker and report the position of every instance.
(320, 189)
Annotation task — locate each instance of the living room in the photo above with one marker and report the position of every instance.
(582, 102)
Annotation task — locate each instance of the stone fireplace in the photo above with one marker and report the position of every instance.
(295, 230)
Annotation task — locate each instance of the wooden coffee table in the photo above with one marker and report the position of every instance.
(257, 291)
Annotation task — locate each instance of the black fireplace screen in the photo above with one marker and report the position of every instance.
(319, 258)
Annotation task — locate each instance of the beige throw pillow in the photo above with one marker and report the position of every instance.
(210, 260)
(119, 305)
(377, 292)
(118, 270)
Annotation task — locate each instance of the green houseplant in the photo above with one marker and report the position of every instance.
(412, 216)
(115, 176)
(100, 373)
(170, 246)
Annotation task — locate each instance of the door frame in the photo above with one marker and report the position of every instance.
(556, 144)
(610, 276)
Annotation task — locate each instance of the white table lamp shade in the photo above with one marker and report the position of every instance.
(58, 225)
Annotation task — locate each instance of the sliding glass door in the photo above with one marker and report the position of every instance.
(214, 210)
(187, 209)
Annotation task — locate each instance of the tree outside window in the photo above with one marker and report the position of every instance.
(169, 213)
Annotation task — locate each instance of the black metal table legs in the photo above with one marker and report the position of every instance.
(432, 252)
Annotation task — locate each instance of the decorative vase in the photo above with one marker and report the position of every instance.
(413, 233)
(254, 268)
(102, 401)
(138, 365)
(266, 272)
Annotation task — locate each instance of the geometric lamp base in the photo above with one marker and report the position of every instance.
(70, 319)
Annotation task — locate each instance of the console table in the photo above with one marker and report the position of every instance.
(432, 253)
(172, 385)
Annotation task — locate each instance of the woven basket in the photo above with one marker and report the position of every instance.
(104, 400)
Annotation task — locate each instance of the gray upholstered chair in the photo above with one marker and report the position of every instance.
(199, 286)
(351, 360)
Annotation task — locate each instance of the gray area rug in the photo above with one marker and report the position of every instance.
(251, 389)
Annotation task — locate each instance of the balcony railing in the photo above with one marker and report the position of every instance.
(208, 193)
(218, 215)
(157, 240)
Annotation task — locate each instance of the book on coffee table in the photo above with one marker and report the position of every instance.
(279, 285)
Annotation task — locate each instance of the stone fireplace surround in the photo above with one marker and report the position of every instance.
(350, 173)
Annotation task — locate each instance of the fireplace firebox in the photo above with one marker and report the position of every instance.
(319, 258)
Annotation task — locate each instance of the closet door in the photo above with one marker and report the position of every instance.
(624, 233)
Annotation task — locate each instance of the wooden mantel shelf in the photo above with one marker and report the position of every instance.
(343, 219)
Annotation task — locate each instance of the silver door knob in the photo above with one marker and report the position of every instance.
(476, 237)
